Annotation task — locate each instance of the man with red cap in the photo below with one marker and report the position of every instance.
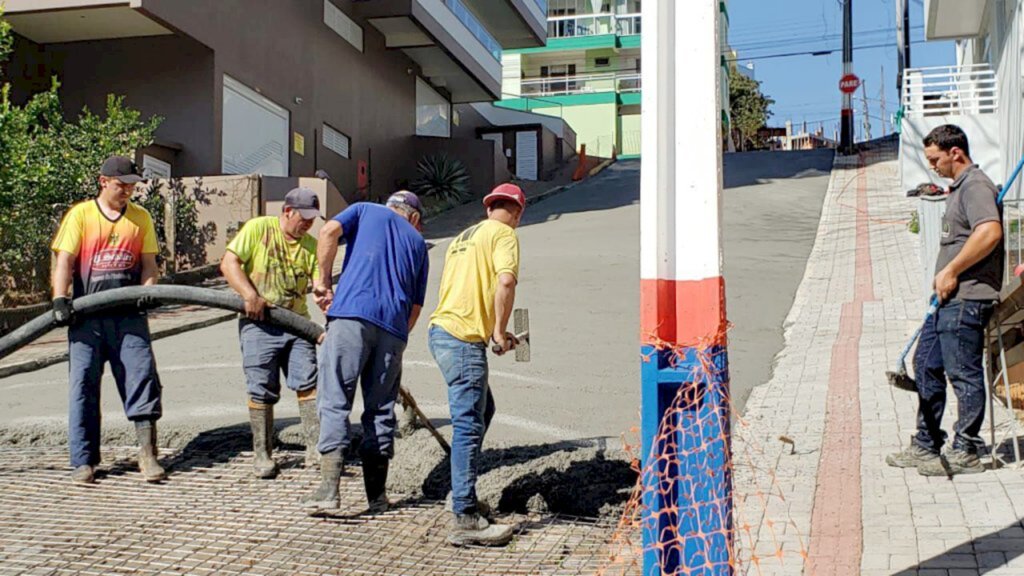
(478, 289)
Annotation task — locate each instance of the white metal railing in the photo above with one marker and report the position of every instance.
(628, 82)
(566, 85)
(580, 84)
(946, 90)
(580, 25)
(627, 24)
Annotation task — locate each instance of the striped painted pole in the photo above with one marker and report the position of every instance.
(687, 523)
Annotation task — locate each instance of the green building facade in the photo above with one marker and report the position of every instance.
(589, 74)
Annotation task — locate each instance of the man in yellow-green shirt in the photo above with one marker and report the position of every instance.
(272, 262)
(478, 289)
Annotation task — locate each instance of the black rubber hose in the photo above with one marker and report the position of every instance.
(162, 294)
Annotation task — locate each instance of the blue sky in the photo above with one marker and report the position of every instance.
(807, 87)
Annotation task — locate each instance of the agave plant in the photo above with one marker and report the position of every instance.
(441, 177)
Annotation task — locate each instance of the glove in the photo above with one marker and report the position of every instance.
(147, 303)
(63, 312)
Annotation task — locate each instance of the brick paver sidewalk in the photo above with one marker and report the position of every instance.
(828, 504)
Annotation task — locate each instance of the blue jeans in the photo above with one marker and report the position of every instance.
(464, 367)
(951, 346)
(266, 352)
(124, 341)
(355, 350)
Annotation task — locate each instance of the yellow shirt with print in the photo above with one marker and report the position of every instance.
(281, 269)
(473, 263)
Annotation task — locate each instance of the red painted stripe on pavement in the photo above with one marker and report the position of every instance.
(682, 312)
(837, 538)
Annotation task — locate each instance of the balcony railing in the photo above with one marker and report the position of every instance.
(581, 84)
(628, 82)
(627, 24)
(580, 25)
(947, 90)
(475, 27)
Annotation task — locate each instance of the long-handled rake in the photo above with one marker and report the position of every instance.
(900, 378)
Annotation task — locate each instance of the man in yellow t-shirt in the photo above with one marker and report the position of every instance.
(106, 243)
(478, 290)
(272, 262)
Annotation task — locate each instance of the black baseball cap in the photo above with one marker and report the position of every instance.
(304, 201)
(121, 168)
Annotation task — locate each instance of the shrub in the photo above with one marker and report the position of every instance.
(443, 178)
(47, 163)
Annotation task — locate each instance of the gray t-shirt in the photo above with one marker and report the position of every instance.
(972, 202)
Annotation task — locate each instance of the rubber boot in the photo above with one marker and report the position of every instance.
(326, 495)
(375, 480)
(310, 428)
(145, 431)
(261, 418)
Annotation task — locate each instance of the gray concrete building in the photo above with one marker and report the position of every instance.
(360, 89)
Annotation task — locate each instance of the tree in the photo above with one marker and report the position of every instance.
(47, 163)
(749, 108)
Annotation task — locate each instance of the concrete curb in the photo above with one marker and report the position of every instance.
(40, 363)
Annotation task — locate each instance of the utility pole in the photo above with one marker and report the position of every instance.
(885, 117)
(687, 525)
(901, 63)
(906, 34)
(846, 131)
(867, 110)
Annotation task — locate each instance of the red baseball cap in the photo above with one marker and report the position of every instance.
(506, 191)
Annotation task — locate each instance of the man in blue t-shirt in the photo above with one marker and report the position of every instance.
(369, 315)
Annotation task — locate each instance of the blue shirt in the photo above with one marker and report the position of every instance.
(385, 270)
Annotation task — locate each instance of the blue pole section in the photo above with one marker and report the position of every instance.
(687, 521)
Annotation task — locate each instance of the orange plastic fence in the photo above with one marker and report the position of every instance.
(754, 521)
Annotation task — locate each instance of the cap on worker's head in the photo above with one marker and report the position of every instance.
(121, 168)
(506, 191)
(405, 198)
(304, 201)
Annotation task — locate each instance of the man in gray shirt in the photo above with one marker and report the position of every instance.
(968, 276)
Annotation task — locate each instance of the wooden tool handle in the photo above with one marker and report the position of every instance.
(519, 338)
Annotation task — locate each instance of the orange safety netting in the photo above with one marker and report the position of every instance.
(685, 514)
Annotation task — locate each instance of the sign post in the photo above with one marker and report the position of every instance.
(846, 120)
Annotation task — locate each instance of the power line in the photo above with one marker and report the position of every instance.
(776, 38)
(825, 52)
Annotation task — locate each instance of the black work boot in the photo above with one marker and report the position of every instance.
(375, 479)
(310, 430)
(261, 418)
(325, 497)
(145, 431)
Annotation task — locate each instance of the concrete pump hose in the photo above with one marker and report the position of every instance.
(166, 294)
